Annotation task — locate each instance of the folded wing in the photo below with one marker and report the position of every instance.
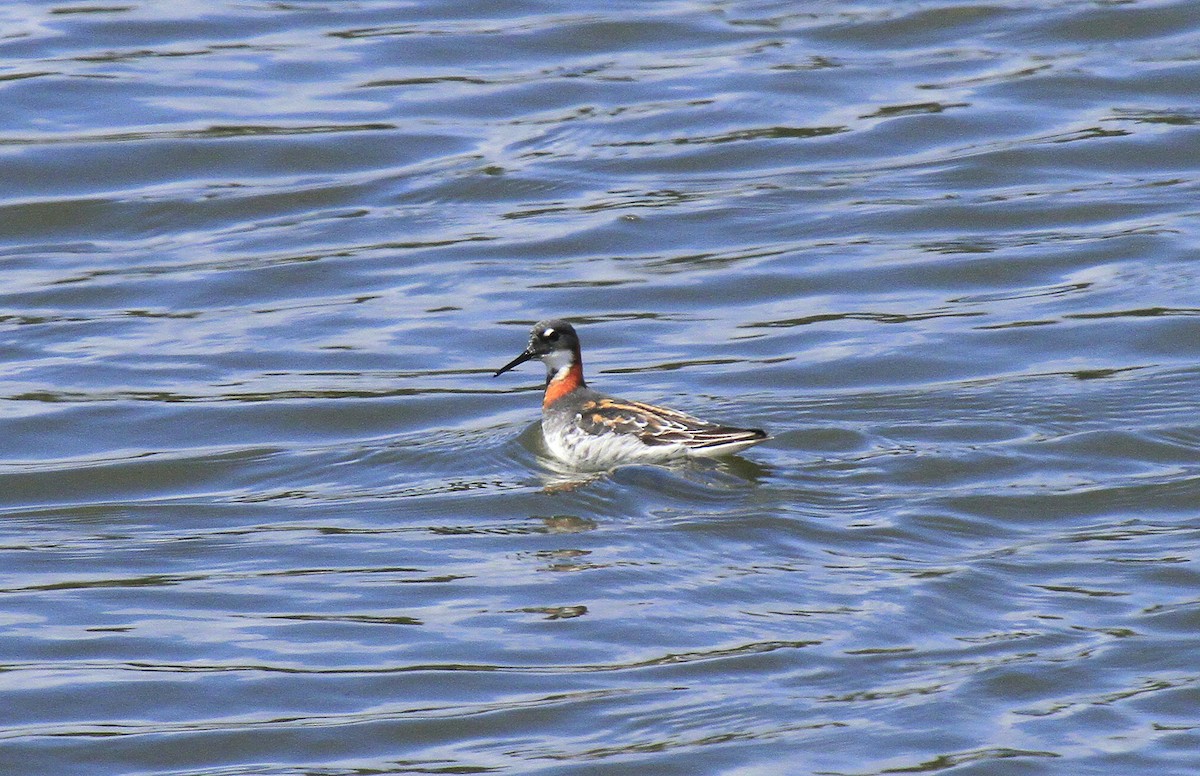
(661, 426)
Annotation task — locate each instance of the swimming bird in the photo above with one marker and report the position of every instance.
(591, 430)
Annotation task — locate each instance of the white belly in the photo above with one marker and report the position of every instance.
(571, 444)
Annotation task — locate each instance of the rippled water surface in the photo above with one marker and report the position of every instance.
(263, 509)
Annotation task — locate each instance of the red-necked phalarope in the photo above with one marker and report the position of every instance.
(589, 429)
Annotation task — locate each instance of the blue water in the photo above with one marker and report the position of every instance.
(263, 509)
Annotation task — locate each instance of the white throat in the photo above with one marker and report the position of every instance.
(558, 363)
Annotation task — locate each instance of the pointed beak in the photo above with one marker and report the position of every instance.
(521, 359)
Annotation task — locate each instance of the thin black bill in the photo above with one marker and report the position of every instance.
(521, 359)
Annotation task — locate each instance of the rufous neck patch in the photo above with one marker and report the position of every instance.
(563, 383)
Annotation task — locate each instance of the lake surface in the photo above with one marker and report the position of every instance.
(264, 510)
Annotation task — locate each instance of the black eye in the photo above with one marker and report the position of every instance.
(550, 335)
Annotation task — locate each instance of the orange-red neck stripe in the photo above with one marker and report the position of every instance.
(563, 384)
